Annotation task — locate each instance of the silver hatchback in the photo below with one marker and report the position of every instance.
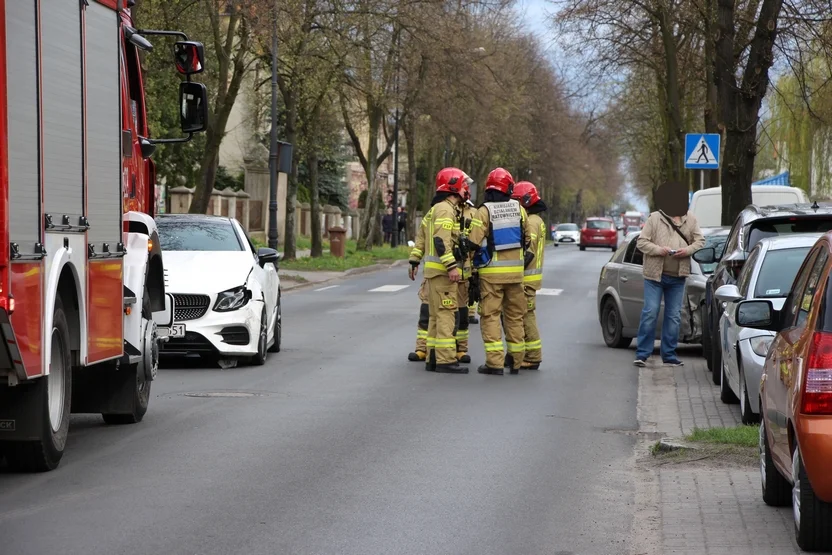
(621, 298)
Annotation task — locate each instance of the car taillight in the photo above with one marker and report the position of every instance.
(817, 383)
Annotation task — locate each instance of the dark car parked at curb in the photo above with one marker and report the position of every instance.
(753, 224)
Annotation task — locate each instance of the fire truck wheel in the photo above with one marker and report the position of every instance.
(141, 387)
(56, 388)
(262, 340)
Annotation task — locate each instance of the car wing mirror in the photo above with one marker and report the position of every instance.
(266, 255)
(705, 256)
(189, 57)
(758, 314)
(728, 293)
(193, 101)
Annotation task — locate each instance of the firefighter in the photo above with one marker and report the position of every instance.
(473, 299)
(420, 354)
(526, 194)
(442, 271)
(468, 214)
(498, 232)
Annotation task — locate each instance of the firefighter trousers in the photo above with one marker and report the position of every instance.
(462, 328)
(443, 304)
(532, 343)
(505, 301)
(424, 319)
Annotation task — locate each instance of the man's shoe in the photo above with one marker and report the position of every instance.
(464, 358)
(640, 362)
(530, 366)
(418, 356)
(452, 368)
(674, 363)
(485, 369)
(473, 320)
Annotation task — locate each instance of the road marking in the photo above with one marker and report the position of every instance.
(325, 288)
(551, 292)
(389, 288)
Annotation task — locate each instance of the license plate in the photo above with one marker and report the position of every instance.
(599, 238)
(177, 330)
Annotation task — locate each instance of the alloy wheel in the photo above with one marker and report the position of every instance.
(55, 383)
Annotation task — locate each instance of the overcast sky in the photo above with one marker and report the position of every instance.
(535, 13)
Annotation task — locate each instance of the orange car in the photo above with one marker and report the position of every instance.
(796, 398)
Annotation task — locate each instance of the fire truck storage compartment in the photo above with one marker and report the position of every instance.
(104, 195)
(24, 174)
(63, 131)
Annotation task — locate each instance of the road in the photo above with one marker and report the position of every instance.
(338, 445)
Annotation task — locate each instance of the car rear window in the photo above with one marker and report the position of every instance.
(760, 229)
(599, 224)
(778, 271)
(197, 235)
(567, 227)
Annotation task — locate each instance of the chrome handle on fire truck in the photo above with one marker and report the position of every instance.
(65, 225)
(38, 254)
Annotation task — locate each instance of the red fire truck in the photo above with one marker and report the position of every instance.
(82, 286)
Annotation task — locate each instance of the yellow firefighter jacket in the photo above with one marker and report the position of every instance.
(536, 234)
(507, 265)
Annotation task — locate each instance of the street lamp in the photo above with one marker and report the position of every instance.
(273, 147)
(394, 238)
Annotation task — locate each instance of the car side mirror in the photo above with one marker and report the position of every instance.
(266, 255)
(189, 57)
(193, 102)
(705, 256)
(758, 314)
(728, 293)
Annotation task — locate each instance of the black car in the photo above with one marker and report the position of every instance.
(753, 224)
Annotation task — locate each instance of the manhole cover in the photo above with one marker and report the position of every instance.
(220, 394)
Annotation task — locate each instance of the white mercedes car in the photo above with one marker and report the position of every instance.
(227, 292)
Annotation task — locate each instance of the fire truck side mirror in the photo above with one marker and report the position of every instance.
(189, 57)
(193, 100)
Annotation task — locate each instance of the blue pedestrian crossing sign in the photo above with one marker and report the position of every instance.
(702, 151)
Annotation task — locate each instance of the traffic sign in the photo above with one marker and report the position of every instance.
(702, 151)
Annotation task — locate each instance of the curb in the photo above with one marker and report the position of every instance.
(348, 273)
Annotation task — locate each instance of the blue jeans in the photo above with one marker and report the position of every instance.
(673, 289)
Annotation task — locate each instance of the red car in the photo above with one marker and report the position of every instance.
(599, 232)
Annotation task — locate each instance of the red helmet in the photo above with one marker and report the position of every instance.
(526, 193)
(500, 180)
(451, 180)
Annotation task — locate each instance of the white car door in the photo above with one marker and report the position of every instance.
(266, 277)
(728, 323)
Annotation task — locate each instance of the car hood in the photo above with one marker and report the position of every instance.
(205, 272)
(748, 333)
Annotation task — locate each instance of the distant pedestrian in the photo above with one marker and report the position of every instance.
(402, 224)
(669, 238)
(387, 226)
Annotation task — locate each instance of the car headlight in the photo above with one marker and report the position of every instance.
(760, 345)
(232, 299)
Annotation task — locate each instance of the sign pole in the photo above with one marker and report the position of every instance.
(701, 179)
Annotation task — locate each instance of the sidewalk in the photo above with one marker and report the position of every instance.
(293, 279)
(705, 510)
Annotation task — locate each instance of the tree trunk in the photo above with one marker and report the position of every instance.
(409, 130)
(673, 104)
(711, 101)
(369, 224)
(312, 162)
(740, 103)
(210, 162)
(289, 240)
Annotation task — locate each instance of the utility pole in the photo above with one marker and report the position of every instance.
(394, 238)
(273, 150)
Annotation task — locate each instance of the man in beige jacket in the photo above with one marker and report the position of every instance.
(669, 238)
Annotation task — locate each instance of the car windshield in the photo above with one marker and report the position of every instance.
(182, 234)
(717, 242)
(567, 227)
(599, 224)
(778, 271)
(760, 229)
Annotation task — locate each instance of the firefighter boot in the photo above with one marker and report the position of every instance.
(485, 369)
(510, 364)
(464, 358)
(430, 364)
(417, 356)
(452, 368)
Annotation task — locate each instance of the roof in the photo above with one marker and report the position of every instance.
(753, 212)
(599, 218)
(781, 179)
(790, 241)
(193, 217)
